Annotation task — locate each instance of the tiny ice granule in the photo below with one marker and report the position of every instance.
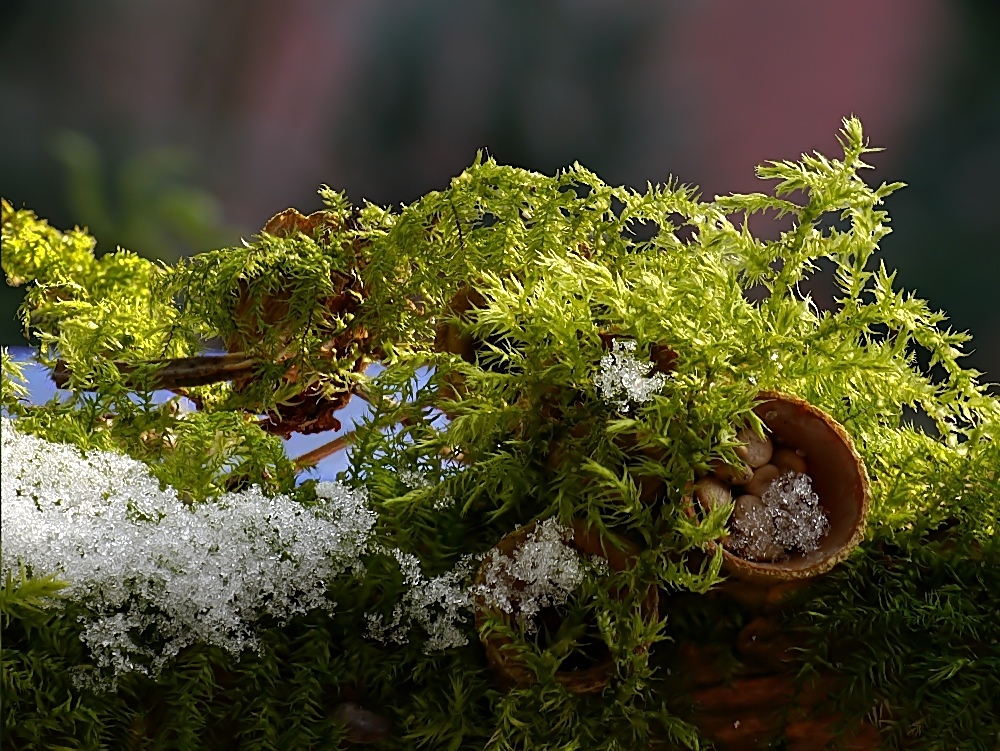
(542, 571)
(143, 561)
(624, 379)
(787, 518)
(798, 521)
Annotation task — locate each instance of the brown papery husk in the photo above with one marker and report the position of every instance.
(510, 670)
(312, 410)
(838, 476)
(271, 310)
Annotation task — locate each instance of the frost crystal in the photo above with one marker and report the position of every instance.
(624, 380)
(415, 479)
(145, 563)
(440, 605)
(542, 571)
(799, 521)
(788, 518)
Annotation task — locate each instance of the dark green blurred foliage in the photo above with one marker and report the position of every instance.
(542, 85)
(946, 239)
(148, 205)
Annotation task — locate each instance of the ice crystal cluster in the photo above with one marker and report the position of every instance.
(440, 605)
(416, 479)
(139, 558)
(789, 517)
(542, 571)
(624, 380)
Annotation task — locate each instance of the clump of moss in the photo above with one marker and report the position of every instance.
(497, 309)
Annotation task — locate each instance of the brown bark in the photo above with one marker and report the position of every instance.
(177, 373)
(763, 700)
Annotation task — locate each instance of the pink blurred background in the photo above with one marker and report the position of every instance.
(390, 98)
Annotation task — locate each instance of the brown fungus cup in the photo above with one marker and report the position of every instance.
(838, 478)
(262, 313)
(598, 665)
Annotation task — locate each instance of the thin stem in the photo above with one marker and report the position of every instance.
(318, 454)
(181, 372)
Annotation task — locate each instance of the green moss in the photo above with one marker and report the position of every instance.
(552, 264)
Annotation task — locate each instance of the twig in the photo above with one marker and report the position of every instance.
(180, 372)
(318, 454)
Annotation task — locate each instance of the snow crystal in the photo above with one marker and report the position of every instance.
(787, 518)
(624, 379)
(542, 571)
(416, 479)
(798, 519)
(140, 559)
(439, 605)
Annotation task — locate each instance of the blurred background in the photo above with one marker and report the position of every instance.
(173, 126)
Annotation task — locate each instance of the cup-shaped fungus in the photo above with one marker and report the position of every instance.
(263, 306)
(800, 512)
(524, 579)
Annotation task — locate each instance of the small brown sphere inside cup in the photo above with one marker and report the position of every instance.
(788, 460)
(755, 450)
(712, 492)
(746, 505)
(762, 479)
(738, 474)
